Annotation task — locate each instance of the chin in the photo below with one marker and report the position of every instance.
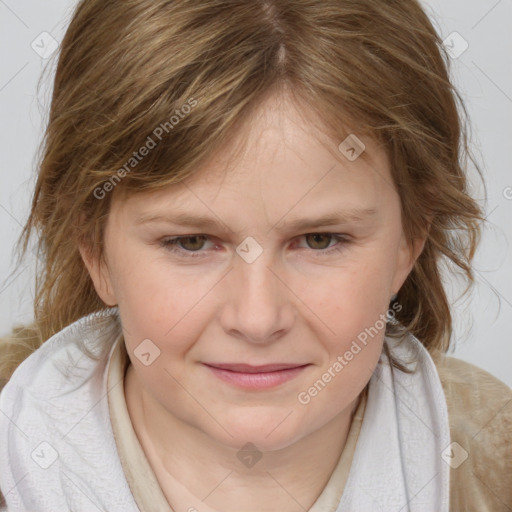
(268, 432)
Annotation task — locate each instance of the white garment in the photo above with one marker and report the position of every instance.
(58, 452)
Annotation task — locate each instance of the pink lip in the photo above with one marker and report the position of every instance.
(256, 377)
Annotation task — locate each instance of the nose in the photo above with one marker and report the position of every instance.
(259, 308)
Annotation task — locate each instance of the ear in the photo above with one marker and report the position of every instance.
(100, 274)
(408, 253)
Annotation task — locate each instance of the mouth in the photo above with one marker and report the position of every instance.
(256, 377)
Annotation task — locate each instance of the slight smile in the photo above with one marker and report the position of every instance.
(255, 377)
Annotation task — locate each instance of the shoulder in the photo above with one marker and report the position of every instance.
(471, 392)
(15, 348)
(88, 338)
(48, 397)
(480, 416)
(68, 359)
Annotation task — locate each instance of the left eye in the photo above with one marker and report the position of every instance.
(190, 246)
(314, 237)
(197, 242)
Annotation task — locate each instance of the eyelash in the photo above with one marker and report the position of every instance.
(171, 245)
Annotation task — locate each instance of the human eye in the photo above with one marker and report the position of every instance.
(190, 246)
(178, 245)
(317, 242)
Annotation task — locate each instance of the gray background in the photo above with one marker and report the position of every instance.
(482, 73)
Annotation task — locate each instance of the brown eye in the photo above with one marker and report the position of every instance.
(180, 244)
(197, 242)
(316, 239)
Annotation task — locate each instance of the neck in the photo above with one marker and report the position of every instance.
(287, 479)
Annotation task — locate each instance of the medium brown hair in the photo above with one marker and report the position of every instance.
(124, 68)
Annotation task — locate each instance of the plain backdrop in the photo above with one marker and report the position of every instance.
(479, 37)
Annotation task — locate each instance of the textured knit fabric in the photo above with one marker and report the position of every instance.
(480, 415)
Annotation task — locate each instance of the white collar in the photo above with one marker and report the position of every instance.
(58, 452)
(398, 464)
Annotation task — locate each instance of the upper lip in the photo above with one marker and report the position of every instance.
(247, 368)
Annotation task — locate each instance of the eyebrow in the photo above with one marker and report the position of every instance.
(201, 221)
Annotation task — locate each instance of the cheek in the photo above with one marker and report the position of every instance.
(352, 310)
(155, 295)
(351, 299)
(338, 384)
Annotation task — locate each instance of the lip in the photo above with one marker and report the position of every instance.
(247, 368)
(256, 377)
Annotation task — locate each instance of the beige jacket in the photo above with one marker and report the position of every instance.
(480, 415)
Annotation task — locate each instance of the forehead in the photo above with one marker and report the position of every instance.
(280, 160)
(281, 136)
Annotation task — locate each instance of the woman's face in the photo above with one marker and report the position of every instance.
(288, 257)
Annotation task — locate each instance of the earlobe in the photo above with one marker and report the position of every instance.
(100, 275)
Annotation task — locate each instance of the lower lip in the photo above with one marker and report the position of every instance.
(264, 380)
